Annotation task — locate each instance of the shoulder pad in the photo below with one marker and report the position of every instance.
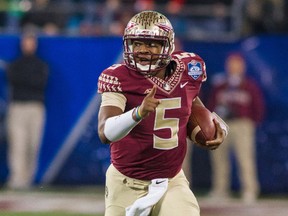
(110, 79)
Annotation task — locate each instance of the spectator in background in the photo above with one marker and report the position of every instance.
(3, 101)
(48, 16)
(264, 16)
(174, 9)
(141, 5)
(27, 77)
(239, 101)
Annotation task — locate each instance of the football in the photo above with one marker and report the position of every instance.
(200, 127)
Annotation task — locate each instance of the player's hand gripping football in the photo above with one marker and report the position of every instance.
(149, 103)
(219, 137)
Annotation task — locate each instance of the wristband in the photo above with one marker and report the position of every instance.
(137, 114)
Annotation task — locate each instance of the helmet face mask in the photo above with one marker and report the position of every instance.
(148, 26)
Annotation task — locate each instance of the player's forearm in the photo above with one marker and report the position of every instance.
(117, 127)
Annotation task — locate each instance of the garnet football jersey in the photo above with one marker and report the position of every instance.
(156, 147)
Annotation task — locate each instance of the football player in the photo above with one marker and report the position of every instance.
(146, 103)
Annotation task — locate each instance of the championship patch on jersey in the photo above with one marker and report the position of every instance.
(195, 69)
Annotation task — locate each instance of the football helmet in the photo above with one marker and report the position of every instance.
(149, 25)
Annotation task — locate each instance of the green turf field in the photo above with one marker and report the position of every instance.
(53, 201)
(45, 214)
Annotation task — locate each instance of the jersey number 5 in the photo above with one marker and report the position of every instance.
(171, 123)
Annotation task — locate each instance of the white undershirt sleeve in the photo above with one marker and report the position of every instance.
(117, 127)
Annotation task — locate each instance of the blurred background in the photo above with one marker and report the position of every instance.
(80, 38)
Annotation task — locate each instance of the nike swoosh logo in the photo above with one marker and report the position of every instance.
(159, 182)
(184, 84)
